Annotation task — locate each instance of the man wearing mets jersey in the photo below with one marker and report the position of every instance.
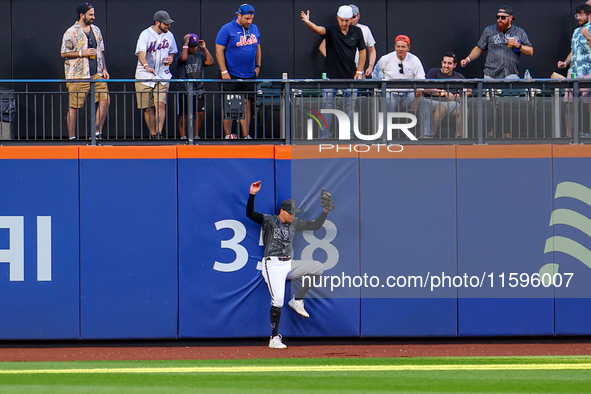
(278, 266)
(238, 52)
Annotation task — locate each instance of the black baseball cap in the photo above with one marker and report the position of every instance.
(507, 10)
(83, 8)
(289, 206)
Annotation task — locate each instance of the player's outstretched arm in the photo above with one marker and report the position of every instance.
(250, 213)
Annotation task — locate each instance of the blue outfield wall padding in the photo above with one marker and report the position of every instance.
(222, 294)
(504, 207)
(408, 229)
(333, 312)
(571, 246)
(39, 212)
(129, 269)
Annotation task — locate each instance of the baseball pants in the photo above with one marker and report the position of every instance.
(276, 272)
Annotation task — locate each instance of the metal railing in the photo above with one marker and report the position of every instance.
(294, 111)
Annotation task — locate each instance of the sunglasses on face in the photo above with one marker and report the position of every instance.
(502, 17)
(401, 68)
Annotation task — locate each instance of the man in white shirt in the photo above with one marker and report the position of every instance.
(401, 64)
(155, 51)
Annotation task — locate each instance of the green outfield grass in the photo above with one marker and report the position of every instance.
(408, 375)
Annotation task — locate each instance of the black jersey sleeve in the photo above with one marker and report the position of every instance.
(315, 224)
(250, 213)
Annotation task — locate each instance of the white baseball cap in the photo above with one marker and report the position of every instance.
(345, 12)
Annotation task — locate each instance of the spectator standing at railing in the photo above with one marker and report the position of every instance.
(370, 42)
(579, 59)
(505, 44)
(155, 51)
(83, 48)
(191, 64)
(343, 40)
(401, 64)
(238, 52)
(441, 102)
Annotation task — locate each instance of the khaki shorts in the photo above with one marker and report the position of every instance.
(147, 96)
(78, 91)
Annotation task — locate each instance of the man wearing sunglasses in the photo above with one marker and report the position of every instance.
(505, 44)
(401, 64)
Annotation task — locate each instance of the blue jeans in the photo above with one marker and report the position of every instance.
(329, 101)
(401, 102)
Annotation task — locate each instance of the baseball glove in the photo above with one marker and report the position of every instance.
(326, 200)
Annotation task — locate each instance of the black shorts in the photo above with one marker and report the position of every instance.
(248, 87)
(182, 102)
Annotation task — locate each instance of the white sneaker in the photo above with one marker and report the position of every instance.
(230, 137)
(275, 343)
(298, 306)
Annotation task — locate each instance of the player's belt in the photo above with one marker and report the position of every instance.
(280, 258)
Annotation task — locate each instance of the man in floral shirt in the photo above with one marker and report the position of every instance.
(83, 48)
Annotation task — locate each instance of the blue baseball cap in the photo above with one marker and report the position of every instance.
(245, 9)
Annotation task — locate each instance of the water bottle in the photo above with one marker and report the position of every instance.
(527, 74)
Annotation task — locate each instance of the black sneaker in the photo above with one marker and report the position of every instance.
(98, 136)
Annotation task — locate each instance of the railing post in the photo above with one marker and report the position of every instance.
(190, 115)
(556, 113)
(92, 114)
(287, 109)
(385, 108)
(479, 115)
(576, 112)
(464, 104)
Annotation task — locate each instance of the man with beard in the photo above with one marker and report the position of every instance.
(155, 51)
(83, 48)
(505, 44)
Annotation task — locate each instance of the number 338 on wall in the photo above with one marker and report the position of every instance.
(234, 243)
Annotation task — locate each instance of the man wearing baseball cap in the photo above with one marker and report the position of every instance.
(343, 40)
(83, 48)
(155, 51)
(370, 42)
(278, 266)
(191, 65)
(238, 52)
(401, 64)
(505, 43)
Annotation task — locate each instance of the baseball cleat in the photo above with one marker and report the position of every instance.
(275, 343)
(298, 306)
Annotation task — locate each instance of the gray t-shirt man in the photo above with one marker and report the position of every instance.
(501, 60)
(505, 43)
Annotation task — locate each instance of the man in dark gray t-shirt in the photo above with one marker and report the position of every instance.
(505, 43)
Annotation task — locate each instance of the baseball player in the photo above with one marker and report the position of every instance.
(278, 233)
